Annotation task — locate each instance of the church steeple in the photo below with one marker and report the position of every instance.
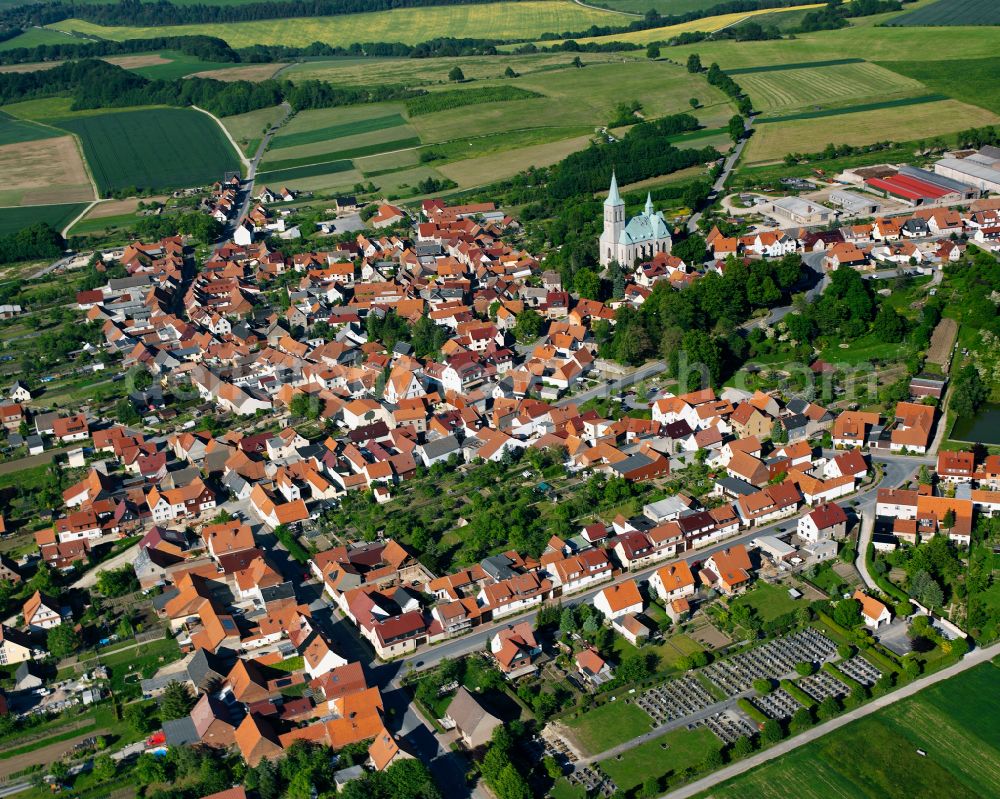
(614, 198)
(649, 204)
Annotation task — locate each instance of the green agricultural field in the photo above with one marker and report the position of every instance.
(458, 98)
(155, 149)
(878, 44)
(585, 97)
(58, 216)
(953, 12)
(336, 155)
(771, 143)
(325, 149)
(14, 130)
(34, 37)
(354, 128)
(609, 725)
(521, 20)
(853, 109)
(824, 86)
(971, 80)
(309, 171)
(179, 65)
(669, 754)
(954, 722)
(434, 71)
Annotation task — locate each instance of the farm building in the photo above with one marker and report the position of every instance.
(855, 204)
(972, 173)
(801, 212)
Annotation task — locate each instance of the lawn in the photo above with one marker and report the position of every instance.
(58, 216)
(772, 142)
(770, 601)
(155, 149)
(825, 85)
(954, 722)
(609, 725)
(864, 350)
(409, 25)
(668, 754)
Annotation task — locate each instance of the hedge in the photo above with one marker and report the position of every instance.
(837, 674)
(798, 694)
(890, 590)
(751, 710)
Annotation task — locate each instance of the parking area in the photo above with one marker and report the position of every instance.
(778, 704)
(674, 700)
(771, 661)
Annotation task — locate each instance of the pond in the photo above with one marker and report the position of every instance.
(983, 428)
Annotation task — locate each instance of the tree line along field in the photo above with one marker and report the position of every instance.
(521, 20)
(876, 757)
(952, 12)
(157, 148)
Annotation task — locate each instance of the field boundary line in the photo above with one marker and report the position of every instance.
(243, 159)
(975, 658)
(612, 10)
(65, 231)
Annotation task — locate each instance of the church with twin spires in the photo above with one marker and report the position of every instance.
(640, 238)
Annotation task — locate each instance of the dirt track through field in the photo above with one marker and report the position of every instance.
(942, 341)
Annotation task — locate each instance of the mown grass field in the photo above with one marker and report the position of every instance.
(823, 86)
(609, 725)
(248, 129)
(670, 753)
(971, 80)
(58, 216)
(876, 757)
(953, 12)
(154, 149)
(409, 25)
(178, 65)
(771, 142)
